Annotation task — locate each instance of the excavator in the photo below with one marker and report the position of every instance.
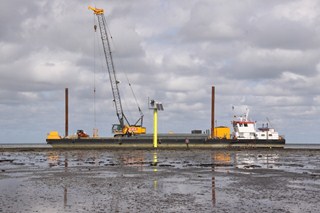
(123, 128)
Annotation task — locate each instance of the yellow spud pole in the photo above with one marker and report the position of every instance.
(155, 128)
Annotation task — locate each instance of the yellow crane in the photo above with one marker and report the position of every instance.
(124, 128)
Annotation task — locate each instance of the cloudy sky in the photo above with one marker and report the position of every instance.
(260, 54)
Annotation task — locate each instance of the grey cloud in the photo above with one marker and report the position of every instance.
(271, 32)
(257, 53)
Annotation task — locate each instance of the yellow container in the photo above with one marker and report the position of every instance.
(222, 132)
(53, 135)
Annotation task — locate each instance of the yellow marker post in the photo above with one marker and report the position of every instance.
(155, 128)
(155, 106)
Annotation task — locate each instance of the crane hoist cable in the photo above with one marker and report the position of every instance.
(129, 83)
(94, 74)
(132, 91)
(135, 98)
(100, 67)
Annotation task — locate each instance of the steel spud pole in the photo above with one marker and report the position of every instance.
(155, 128)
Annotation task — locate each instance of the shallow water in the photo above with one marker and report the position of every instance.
(160, 181)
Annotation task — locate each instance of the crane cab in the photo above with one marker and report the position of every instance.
(127, 130)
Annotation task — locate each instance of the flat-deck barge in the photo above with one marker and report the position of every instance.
(165, 141)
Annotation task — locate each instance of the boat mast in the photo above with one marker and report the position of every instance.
(66, 113)
(212, 111)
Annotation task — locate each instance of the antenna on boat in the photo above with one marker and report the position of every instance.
(269, 122)
(247, 114)
(234, 115)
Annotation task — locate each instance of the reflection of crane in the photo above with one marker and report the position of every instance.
(124, 127)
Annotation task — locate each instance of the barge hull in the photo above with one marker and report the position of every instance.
(167, 143)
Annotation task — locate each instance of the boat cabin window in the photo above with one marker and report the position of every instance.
(270, 134)
(263, 135)
(246, 125)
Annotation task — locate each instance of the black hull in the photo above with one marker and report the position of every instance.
(163, 143)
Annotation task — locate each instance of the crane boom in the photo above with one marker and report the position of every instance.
(124, 127)
(109, 61)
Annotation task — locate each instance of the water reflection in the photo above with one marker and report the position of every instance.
(147, 161)
(65, 192)
(155, 164)
(66, 162)
(251, 161)
(53, 159)
(135, 160)
(65, 197)
(218, 159)
(227, 161)
(213, 190)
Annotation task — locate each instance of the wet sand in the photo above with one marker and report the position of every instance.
(160, 181)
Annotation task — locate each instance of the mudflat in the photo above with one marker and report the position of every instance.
(264, 180)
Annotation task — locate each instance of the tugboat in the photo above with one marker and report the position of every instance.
(244, 129)
(245, 134)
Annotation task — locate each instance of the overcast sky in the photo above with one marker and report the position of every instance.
(263, 55)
